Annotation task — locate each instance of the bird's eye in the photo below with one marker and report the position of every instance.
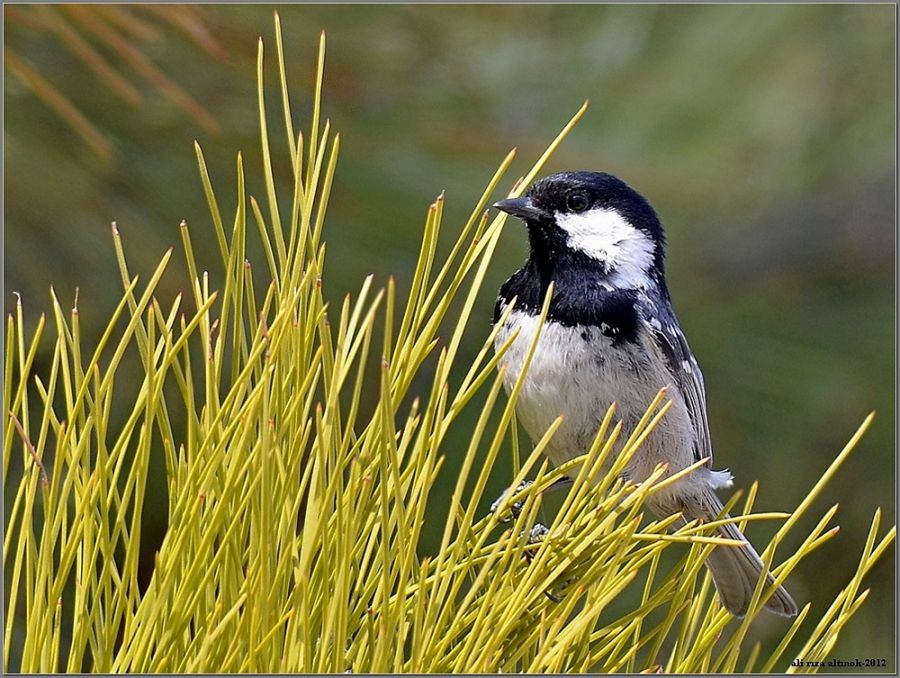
(577, 202)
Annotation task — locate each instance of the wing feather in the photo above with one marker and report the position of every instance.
(666, 333)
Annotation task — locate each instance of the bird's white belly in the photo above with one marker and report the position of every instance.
(577, 373)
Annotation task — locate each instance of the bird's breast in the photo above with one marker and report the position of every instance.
(577, 372)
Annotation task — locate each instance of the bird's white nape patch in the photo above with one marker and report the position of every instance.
(606, 236)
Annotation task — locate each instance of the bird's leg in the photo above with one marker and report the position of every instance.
(516, 507)
(535, 535)
(538, 530)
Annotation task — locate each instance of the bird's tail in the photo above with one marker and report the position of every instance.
(736, 569)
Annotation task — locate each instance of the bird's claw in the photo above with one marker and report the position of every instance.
(516, 507)
(537, 533)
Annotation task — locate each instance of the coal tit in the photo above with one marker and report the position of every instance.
(611, 335)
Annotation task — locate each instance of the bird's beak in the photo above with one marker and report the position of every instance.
(523, 208)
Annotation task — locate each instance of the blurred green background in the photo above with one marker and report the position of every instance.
(764, 136)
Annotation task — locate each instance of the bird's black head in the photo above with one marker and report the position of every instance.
(592, 220)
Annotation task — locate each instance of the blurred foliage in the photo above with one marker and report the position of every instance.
(764, 135)
(87, 33)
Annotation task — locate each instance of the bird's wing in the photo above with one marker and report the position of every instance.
(663, 328)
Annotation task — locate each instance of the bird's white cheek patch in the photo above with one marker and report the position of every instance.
(606, 236)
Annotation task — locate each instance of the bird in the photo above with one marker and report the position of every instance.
(611, 336)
